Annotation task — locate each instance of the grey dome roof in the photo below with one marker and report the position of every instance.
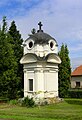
(40, 37)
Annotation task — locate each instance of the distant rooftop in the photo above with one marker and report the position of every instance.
(77, 71)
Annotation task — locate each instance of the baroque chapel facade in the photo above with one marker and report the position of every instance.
(40, 61)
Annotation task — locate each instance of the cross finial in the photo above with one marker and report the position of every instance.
(40, 25)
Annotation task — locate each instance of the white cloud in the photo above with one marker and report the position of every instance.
(62, 19)
(57, 19)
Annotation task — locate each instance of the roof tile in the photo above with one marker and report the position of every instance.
(77, 71)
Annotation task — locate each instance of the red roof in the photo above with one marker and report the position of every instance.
(77, 71)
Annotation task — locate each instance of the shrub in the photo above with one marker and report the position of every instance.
(74, 101)
(3, 100)
(75, 93)
(28, 102)
(13, 102)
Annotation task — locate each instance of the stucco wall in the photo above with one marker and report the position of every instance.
(45, 80)
(76, 79)
(51, 83)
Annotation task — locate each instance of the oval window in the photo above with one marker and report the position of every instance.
(51, 44)
(30, 44)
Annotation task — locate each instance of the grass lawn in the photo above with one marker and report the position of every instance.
(60, 111)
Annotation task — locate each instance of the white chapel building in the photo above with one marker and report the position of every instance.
(40, 61)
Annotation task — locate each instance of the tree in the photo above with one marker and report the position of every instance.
(18, 51)
(8, 65)
(64, 71)
(17, 40)
(4, 27)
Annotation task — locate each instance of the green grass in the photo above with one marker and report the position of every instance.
(60, 111)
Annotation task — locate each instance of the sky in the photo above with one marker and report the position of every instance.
(62, 19)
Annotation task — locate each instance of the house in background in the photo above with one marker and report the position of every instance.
(76, 78)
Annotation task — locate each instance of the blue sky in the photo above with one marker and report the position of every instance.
(62, 19)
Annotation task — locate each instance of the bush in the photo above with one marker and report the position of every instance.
(28, 102)
(3, 100)
(13, 102)
(74, 101)
(75, 93)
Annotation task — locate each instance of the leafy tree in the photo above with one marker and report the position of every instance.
(18, 51)
(64, 71)
(8, 65)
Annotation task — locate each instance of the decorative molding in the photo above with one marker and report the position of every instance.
(37, 71)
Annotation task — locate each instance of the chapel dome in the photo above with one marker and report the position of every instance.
(40, 37)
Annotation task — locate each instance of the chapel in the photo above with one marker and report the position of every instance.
(40, 61)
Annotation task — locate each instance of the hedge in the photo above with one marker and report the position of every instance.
(75, 93)
(74, 101)
(3, 100)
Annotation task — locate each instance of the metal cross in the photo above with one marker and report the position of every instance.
(40, 25)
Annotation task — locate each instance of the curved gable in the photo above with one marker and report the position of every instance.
(28, 58)
(53, 58)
